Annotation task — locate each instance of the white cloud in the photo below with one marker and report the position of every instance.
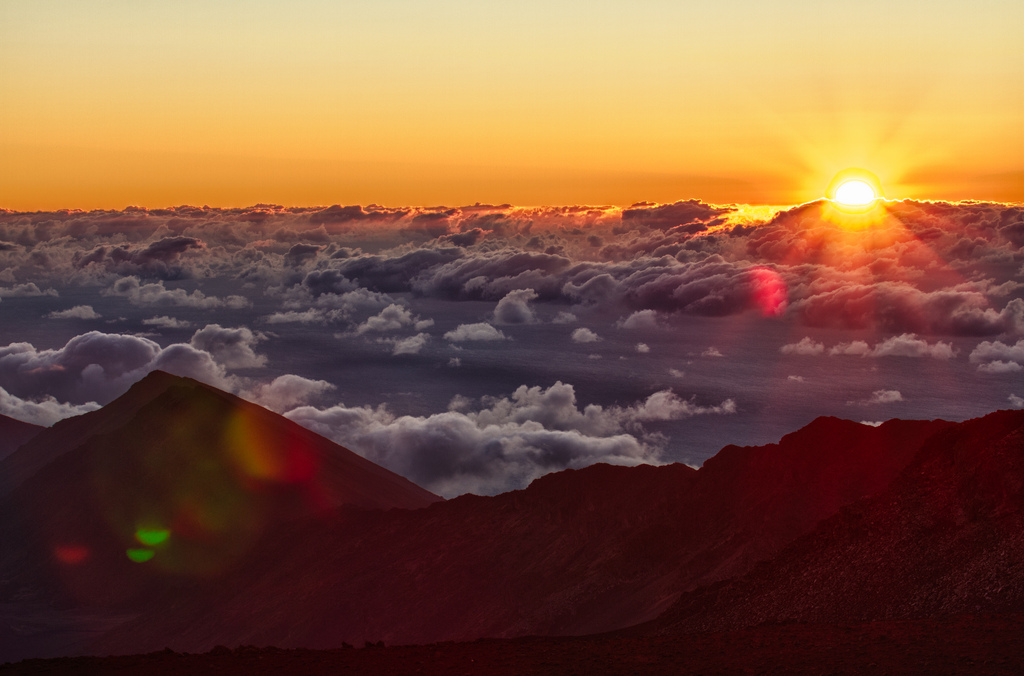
(77, 312)
(410, 345)
(795, 379)
(165, 322)
(1015, 401)
(515, 308)
(507, 441)
(287, 392)
(231, 347)
(642, 348)
(97, 367)
(712, 352)
(988, 350)
(880, 397)
(392, 318)
(156, 294)
(904, 345)
(1000, 367)
(479, 331)
(909, 345)
(806, 347)
(45, 411)
(25, 291)
(584, 335)
(295, 317)
(857, 348)
(564, 318)
(642, 319)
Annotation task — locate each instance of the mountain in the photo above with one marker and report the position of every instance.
(577, 552)
(14, 433)
(119, 509)
(945, 538)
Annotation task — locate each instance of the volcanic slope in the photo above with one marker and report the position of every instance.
(579, 551)
(121, 508)
(14, 433)
(945, 538)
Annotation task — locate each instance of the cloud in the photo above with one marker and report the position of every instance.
(642, 348)
(157, 259)
(987, 351)
(795, 379)
(806, 347)
(904, 345)
(1000, 367)
(393, 318)
(295, 317)
(156, 294)
(45, 411)
(856, 348)
(665, 216)
(1015, 401)
(97, 367)
(641, 319)
(909, 345)
(505, 442)
(300, 254)
(28, 290)
(287, 392)
(479, 331)
(410, 345)
(77, 312)
(712, 352)
(165, 322)
(514, 308)
(564, 318)
(231, 347)
(584, 335)
(880, 397)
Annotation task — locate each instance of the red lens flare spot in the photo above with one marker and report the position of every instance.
(71, 555)
(771, 296)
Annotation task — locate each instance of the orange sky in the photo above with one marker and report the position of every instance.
(399, 102)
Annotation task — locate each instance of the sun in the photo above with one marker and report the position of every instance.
(855, 193)
(855, 190)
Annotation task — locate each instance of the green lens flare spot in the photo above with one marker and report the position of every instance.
(140, 555)
(152, 536)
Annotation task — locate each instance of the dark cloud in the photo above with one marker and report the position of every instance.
(665, 216)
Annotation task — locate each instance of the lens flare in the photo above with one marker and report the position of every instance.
(140, 555)
(71, 555)
(152, 537)
(771, 296)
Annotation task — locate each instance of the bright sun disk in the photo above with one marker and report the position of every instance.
(855, 193)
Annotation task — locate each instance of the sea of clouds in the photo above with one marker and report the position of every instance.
(476, 348)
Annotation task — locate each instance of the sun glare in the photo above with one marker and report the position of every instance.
(855, 193)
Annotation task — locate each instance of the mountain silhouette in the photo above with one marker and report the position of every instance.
(14, 433)
(181, 516)
(173, 482)
(577, 552)
(945, 538)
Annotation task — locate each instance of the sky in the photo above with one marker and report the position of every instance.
(116, 103)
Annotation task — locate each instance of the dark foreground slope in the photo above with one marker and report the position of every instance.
(14, 433)
(946, 538)
(953, 645)
(577, 552)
